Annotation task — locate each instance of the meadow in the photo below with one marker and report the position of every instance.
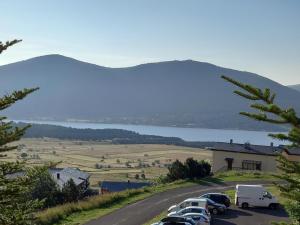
(104, 160)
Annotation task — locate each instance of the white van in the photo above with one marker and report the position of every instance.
(254, 195)
(198, 202)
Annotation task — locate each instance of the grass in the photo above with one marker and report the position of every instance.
(243, 176)
(85, 154)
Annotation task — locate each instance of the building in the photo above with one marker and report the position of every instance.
(116, 186)
(62, 175)
(292, 154)
(232, 156)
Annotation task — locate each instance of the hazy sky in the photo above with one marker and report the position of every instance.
(261, 36)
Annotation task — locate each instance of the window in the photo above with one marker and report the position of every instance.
(251, 165)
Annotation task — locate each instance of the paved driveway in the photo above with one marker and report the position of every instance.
(251, 216)
(143, 211)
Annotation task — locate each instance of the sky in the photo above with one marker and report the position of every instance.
(260, 36)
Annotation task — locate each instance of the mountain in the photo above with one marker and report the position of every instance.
(295, 87)
(172, 93)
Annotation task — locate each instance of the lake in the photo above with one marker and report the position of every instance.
(188, 134)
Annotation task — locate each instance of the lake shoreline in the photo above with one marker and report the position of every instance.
(187, 134)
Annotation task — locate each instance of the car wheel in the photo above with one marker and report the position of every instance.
(215, 211)
(245, 205)
(273, 206)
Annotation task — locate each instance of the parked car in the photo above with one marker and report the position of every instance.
(191, 209)
(200, 219)
(218, 198)
(199, 202)
(176, 220)
(215, 208)
(254, 195)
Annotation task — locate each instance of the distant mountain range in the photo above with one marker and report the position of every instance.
(296, 87)
(174, 93)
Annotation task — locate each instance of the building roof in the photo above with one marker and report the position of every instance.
(292, 151)
(66, 174)
(116, 186)
(244, 148)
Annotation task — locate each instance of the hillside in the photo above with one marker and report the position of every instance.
(295, 87)
(116, 136)
(173, 93)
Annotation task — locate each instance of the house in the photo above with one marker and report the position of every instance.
(116, 186)
(229, 156)
(233, 156)
(292, 154)
(62, 175)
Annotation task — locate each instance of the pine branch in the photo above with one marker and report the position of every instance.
(7, 100)
(6, 45)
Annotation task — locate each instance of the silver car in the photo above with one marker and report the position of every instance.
(192, 209)
(200, 219)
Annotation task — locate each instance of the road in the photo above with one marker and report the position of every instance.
(143, 211)
(257, 216)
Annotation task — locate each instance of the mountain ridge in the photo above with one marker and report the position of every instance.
(295, 87)
(182, 93)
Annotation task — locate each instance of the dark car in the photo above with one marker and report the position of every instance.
(215, 208)
(218, 198)
(176, 220)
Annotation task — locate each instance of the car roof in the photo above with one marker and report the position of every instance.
(212, 193)
(194, 199)
(193, 207)
(195, 214)
(174, 219)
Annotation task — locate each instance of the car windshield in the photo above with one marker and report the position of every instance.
(267, 195)
(196, 218)
(195, 210)
(210, 201)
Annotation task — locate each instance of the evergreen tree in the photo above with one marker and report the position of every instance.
(71, 192)
(44, 188)
(270, 112)
(193, 168)
(15, 208)
(177, 171)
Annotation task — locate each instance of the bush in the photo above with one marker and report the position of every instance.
(24, 154)
(190, 169)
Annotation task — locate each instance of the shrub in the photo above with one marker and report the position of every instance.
(190, 169)
(24, 154)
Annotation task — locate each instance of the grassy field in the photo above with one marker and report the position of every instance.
(117, 162)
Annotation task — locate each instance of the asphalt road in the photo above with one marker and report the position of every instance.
(251, 216)
(143, 211)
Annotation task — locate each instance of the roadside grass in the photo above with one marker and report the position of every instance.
(94, 207)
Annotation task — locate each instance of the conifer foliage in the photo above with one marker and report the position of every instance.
(269, 111)
(15, 208)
